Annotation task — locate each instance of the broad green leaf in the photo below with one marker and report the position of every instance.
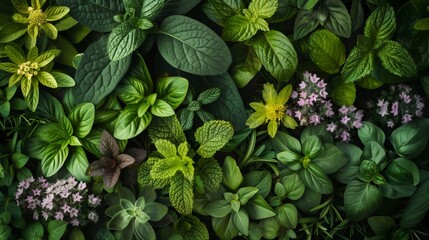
(258, 208)
(331, 159)
(381, 24)
(312, 146)
(19, 159)
(181, 194)
(338, 20)
(263, 8)
(161, 109)
(32, 99)
(49, 107)
(318, 130)
(177, 7)
(172, 90)
(220, 10)
(417, 207)
(97, 76)
(241, 221)
(357, 14)
(410, 139)
(210, 172)
(245, 193)
(98, 15)
(276, 53)
(402, 171)
(374, 152)
(218, 208)
(326, 51)
(232, 177)
(56, 229)
(62, 79)
(239, 28)
(156, 211)
(190, 227)
(165, 148)
(283, 141)
(381, 225)
(129, 124)
(259, 179)
(53, 159)
(224, 227)
(82, 119)
(358, 64)
(396, 59)
(192, 47)
(34, 230)
(349, 172)
(12, 31)
(132, 90)
(245, 64)
(208, 96)
(294, 187)
(77, 165)
(123, 40)
(212, 136)
(361, 200)
(119, 221)
(342, 94)
(316, 179)
(422, 24)
(370, 132)
(167, 128)
(305, 22)
(287, 215)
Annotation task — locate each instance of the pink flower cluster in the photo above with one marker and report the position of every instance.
(65, 200)
(310, 104)
(345, 120)
(398, 105)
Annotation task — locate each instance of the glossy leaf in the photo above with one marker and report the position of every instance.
(82, 119)
(245, 64)
(338, 20)
(172, 90)
(129, 124)
(409, 140)
(331, 159)
(123, 40)
(361, 200)
(342, 94)
(316, 179)
(53, 159)
(241, 221)
(370, 132)
(77, 164)
(358, 64)
(381, 24)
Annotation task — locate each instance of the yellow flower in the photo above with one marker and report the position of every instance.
(37, 19)
(273, 111)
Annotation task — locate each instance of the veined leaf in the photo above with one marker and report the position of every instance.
(276, 53)
(132, 90)
(123, 40)
(220, 10)
(327, 51)
(181, 194)
(361, 199)
(97, 76)
(381, 24)
(305, 22)
(396, 59)
(241, 221)
(129, 124)
(263, 8)
(359, 64)
(166, 148)
(316, 179)
(239, 28)
(78, 164)
(210, 172)
(54, 157)
(409, 139)
(192, 47)
(172, 90)
(245, 64)
(190, 227)
(357, 14)
(212, 136)
(342, 94)
(98, 15)
(338, 21)
(82, 119)
(167, 128)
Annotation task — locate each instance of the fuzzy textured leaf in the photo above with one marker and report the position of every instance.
(210, 172)
(212, 136)
(381, 24)
(181, 194)
(123, 40)
(167, 128)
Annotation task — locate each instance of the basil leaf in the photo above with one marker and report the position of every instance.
(97, 76)
(374, 152)
(326, 51)
(338, 21)
(417, 207)
(192, 47)
(123, 40)
(77, 165)
(98, 15)
(241, 221)
(172, 90)
(258, 208)
(361, 200)
(161, 109)
(82, 119)
(410, 139)
(357, 14)
(370, 132)
(245, 64)
(282, 142)
(342, 94)
(331, 159)
(129, 124)
(49, 107)
(54, 157)
(397, 60)
(276, 53)
(316, 179)
(56, 229)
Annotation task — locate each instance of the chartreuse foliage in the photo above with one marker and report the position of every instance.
(173, 162)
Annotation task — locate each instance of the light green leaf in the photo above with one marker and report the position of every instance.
(326, 51)
(53, 159)
(172, 90)
(56, 229)
(316, 179)
(359, 64)
(361, 200)
(161, 109)
(232, 177)
(166, 148)
(381, 24)
(129, 124)
(190, 46)
(78, 164)
(210, 172)
(212, 136)
(263, 8)
(220, 10)
(338, 21)
(276, 53)
(422, 24)
(342, 94)
(55, 13)
(396, 59)
(283, 141)
(62, 79)
(123, 40)
(12, 31)
(181, 194)
(82, 118)
(239, 28)
(190, 227)
(132, 90)
(245, 64)
(287, 215)
(119, 221)
(241, 221)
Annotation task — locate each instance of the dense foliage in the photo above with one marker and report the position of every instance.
(214, 119)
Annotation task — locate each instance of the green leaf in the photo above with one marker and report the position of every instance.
(34, 230)
(282, 142)
(12, 31)
(422, 24)
(19, 159)
(208, 96)
(305, 22)
(210, 172)
(338, 20)
(119, 221)
(151, 9)
(32, 99)
(56, 229)
(287, 215)
(417, 207)
(82, 118)
(241, 221)
(97, 76)
(166, 128)
(357, 14)
(276, 53)
(258, 208)
(359, 64)
(172, 90)
(245, 193)
(54, 157)
(78, 164)
(76, 234)
(374, 152)
(312, 146)
(331, 159)
(293, 186)
(123, 40)
(218, 208)
(197, 49)
(98, 15)
(165, 148)
(129, 124)
(232, 177)
(49, 107)
(361, 200)
(342, 94)
(370, 132)
(263, 8)
(245, 64)
(212, 136)
(62, 79)
(224, 227)
(410, 139)
(190, 227)
(259, 179)
(132, 90)
(402, 171)
(381, 24)
(349, 172)
(220, 10)
(161, 109)
(239, 28)
(316, 179)
(181, 194)
(326, 51)
(396, 59)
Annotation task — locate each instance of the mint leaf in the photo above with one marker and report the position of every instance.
(359, 64)
(357, 14)
(98, 15)
(239, 28)
(212, 136)
(150, 9)
(245, 64)
(381, 24)
(190, 227)
(123, 40)
(305, 22)
(97, 76)
(220, 10)
(276, 53)
(327, 51)
(165, 148)
(210, 172)
(338, 21)
(192, 47)
(396, 59)
(263, 8)
(168, 128)
(181, 194)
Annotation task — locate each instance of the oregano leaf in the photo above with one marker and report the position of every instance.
(181, 194)
(396, 59)
(190, 227)
(212, 136)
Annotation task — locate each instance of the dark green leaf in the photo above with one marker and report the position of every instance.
(397, 60)
(258, 208)
(190, 227)
(316, 179)
(172, 90)
(179, 7)
(129, 124)
(359, 64)
(318, 130)
(241, 221)
(357, 14)
(220, 10)
(282, 142)
(381, 225)
(338, 20)
(370, 132)
(56, 229)
(294, 187)
(259, 179)
(312, 146)
(49, 107)
(210, 172)
(309, 200)
(305, 22)
(123, 40)
(417, 207)
(374, 152)
(409, 140)
(381, 24)
(287, 215)
(245, 64)
(361, 200)
(218, 208)
(342, 94)
(331, 159)
(77, 164)
(349, 172)
(224, 227)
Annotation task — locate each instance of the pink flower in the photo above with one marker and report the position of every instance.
(294, 94)
(394, 110)
(36, 192)
(93, 200)
(345, 120)
(75, 222)
(406, 118)
(35, 216)
(314, 119)
(344, 110)
(65, 208)
(331, 127)
(302, 85)
(405, 97)
(59, 216)
(390, 124)
(73, 212)
(345, 136)
(93, 216)
(81, 186)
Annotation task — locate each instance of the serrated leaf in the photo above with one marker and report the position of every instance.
(123, 40)
(209, 96)
(263, 8)
(397, 60)
(338, 21)
(239, 28)
(276, 53)
(190, 227)
(181, 194)
(212, 136)
(97, 76)
(98, 15)
(54, 157)
(192, 47)
(381, 24)
(82, 118)
(326, 51)
(210, 172)
(305, 22)
(220, 10)
(359, 64)
(166, 148)
(168, 128)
